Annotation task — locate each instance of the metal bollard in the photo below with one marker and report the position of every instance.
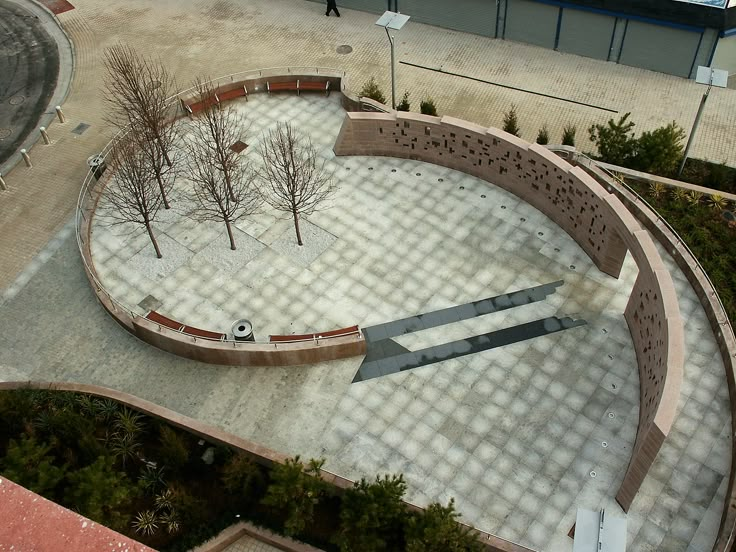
(26, 158)
(60, 114)
(45, 136)
(3, 187)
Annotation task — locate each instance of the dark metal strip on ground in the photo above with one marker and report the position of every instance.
(476, 79)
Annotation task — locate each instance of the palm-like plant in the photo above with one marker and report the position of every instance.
(106, 409)
(170, 520)
(128, 421)
(718, 202)
(657, 189)
(694, 197)
(146, 522)
(124, 446)
(679, 194)
(152, 478)
(164, 500)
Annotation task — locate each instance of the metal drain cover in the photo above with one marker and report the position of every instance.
(344, 49)
(17, 100)
(5, 132)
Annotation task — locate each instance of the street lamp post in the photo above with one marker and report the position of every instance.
(394, 21)
(711, 77)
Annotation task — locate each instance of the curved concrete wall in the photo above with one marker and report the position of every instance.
(593, 217)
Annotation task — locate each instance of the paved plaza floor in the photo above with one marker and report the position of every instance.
(514, 433)
(521, 435)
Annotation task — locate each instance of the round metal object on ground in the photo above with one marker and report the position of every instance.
(5, 132)
(17, 100)
(593, 474)
(243, 330)
(344, 49)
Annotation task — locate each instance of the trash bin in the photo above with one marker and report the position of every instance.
(97, 165)
(243, 330)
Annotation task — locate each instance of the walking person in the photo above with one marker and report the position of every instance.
(332, 6)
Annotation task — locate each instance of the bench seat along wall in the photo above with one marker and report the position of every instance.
(593, 217)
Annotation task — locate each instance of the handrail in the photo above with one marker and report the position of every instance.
(90, 182)
(714, 292)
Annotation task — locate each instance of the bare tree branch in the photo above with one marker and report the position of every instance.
(294, 181)
(223, 183)
(137, 90)
(132, 193)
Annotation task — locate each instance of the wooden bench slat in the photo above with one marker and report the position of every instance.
(153, 316)
(305, 337)
(231, 94)
(204, 333)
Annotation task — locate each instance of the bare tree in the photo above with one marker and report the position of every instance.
(294, 180)
(137, 93)
(216, 130)
(132, 193)
(216, 197)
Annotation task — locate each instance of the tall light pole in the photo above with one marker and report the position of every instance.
(711, 77)
(394, 21)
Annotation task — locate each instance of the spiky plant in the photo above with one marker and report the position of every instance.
(129, 422)
(151, 478)
(718, 202)
(163, 500)
(124, 446)
(694, 197)
(87, 405)
(657, 189)
(106, 409)
(145, 523)
(679, 194)
(170, 520)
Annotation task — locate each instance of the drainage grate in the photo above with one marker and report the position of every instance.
(80, 128)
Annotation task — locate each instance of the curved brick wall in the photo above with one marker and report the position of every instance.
(593, 217)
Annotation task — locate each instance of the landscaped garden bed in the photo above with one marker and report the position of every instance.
(171, 490)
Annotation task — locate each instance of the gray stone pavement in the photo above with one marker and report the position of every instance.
(430, 421)
(249, 544)
(514, 434)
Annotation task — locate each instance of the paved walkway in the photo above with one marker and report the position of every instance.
(218, 37)
(249, 544)
(536, 412)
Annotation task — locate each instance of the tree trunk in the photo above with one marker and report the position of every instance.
(153, 240)
(229, 186)
(230, 234)
(161, 187)
(166, 153)
(296, 227)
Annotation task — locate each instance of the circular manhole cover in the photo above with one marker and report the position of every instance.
(5, 132)
(344, 49)
(17, 100)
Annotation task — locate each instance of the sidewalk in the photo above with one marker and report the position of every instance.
(198, 37)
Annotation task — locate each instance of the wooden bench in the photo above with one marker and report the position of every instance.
(299, 86)
(321, 335)
(216, 99)
(153, 316)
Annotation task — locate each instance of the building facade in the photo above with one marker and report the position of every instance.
(668, 36)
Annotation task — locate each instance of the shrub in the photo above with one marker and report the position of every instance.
(151, 479)
(100, 493)
(145, 523)
(543, 135)
(174, 452)
(371, 90)
(511, 122)
(615, 140)
(438, 530)
(428, 107)
(241, 475)
(660, 151)
(404, 104)
(372, 516)
(29, 464)
(568, 135)
(294, 490)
